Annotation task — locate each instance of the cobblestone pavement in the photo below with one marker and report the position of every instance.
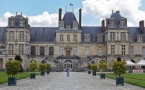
(76, 81)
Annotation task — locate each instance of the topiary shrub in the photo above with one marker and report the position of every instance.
(42, 67)
(89, 66)
(48, 66)
(103, 66)
(18, 58)
(119, 67)
(33, 66)
(12, 67)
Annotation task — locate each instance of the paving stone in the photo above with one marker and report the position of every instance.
(76, 81)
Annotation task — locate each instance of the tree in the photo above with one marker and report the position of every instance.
(94, 67)
(48, 66)
(33, 66)
(42, 67)
(103, 65)
(119, 67)
(12, 67)
(18, 57)
(89, 66)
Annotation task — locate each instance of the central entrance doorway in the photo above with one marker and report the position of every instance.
(68, 63)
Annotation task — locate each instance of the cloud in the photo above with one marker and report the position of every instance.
(103, 8)
(43, 20)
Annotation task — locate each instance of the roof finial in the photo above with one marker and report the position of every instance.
(21, 12)
(16, 12)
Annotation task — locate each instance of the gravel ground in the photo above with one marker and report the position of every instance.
(76, 81)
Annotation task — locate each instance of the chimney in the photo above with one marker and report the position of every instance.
(103, 24)
(60, 12)
(141, 25)
(80, 17)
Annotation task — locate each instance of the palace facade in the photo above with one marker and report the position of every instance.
(71, 44)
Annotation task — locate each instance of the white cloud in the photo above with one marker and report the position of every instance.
(103, 8)
(43, 20)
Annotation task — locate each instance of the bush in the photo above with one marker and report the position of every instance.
(12, 67)
(103, 66)
(94, 67)
(18, 57)
(119, 67)
(48, 66)
(89, 66)
(42, 67)
(33, 66)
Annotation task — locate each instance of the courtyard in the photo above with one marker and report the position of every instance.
(76, 81)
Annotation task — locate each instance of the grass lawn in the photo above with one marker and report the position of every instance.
(135, 79)
(4, 76)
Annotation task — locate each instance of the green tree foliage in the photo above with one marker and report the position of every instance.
(42, 67)
(94, 67)
(12, 67)
(103, 66)
(18, 57)
(33, 66)
(48, 66)
(119, 67)
(89, 66)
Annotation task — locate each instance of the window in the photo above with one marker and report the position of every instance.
(143, 51)
(68, 37)
(112, 36)
(112, 49)
(130, 38)
(42, 50)
(51, 51)
(123, 49)
(87, 38)
(1, 63)
(86, 51)
(21, 36)
(61, 37)
(74, 37)
(61, 49)
(21, 49)
(11, 49)
(100, 38)
(33, 50)
(100, 52)
(131, 51)
(139, 38)
(11, 36)
(123, 36)
(75, 51)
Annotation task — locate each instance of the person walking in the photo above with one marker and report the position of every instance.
(67, 71)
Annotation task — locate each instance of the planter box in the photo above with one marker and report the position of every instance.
(48, 72)
(11, 81)
(42, 73)
(94, 73)
(32, 76)
(102, 75)
(89, 72)
(120, 80)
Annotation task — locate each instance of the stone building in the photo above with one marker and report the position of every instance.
(71, 44)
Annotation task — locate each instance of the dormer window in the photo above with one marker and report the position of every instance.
(130, 38)
(139, 38)
(22, 22)
(87, 38)
(75, 25)
(100, 37)
(12, 21)
(111, 23)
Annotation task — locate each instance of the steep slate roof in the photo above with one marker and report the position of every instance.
(42, 34)
(2, 34)
(93, 31)
(68, 19)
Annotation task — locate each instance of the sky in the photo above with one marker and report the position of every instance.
(44, 13)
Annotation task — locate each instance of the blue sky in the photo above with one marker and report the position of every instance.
(93, 10)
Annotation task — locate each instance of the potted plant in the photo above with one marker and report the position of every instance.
(32, 67)
(94, 69)
(48, 68)
(119, 67)
(42, 68)
(18, 57)
(89, 68)
(12, 68)
(102, 67)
